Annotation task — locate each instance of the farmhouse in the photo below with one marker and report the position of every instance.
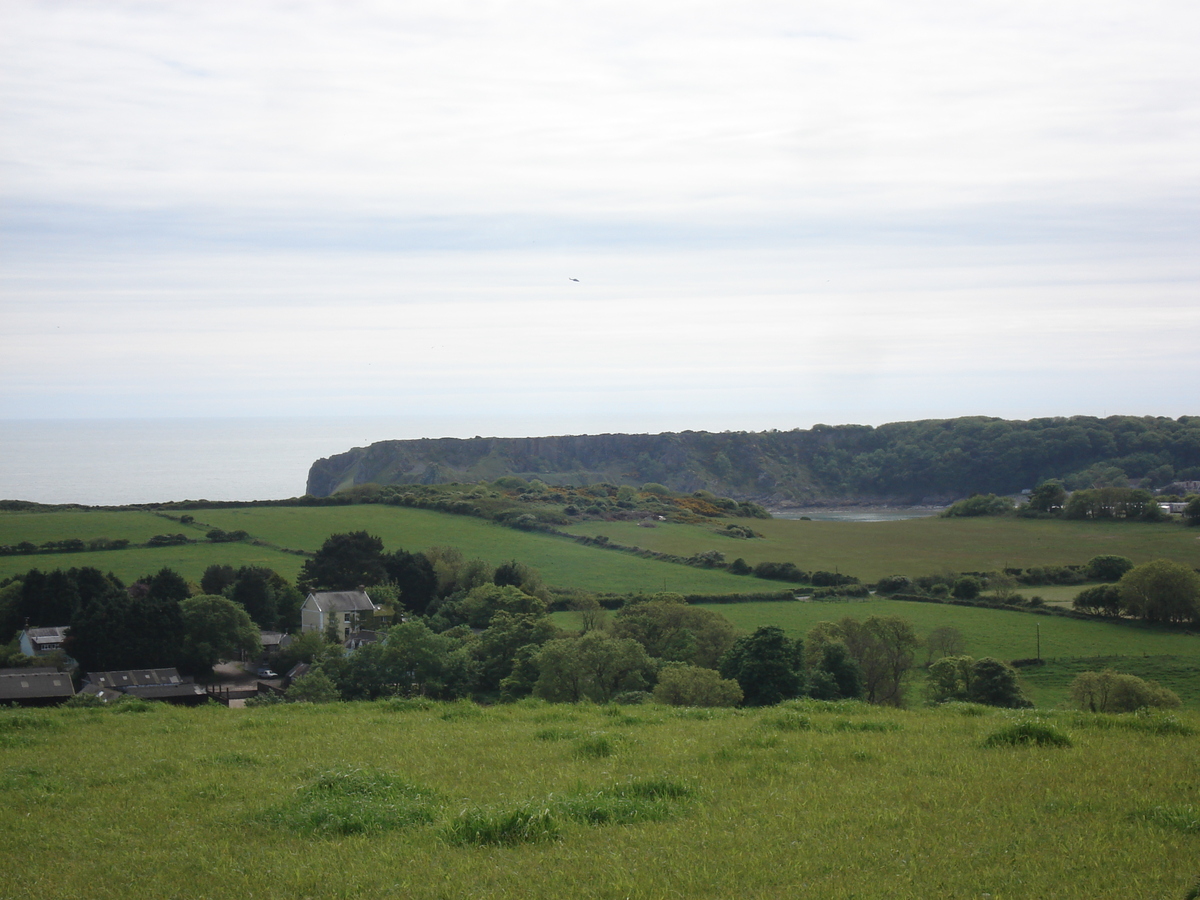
(42, 641)
(346, 611)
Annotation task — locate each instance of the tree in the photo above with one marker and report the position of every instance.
(1099, 600)
(672, 630)
(945, 640)
(980, 505)
(966, 587)
(695, 686)
(1048, 496)
(836, 676)
(313, 687)
(884, 647)
(485, 601)
(344, 562)
(414, 577)
(124, 632)
(1107, 567)
(1191, 512)
(501, 644)
(995, 683)
(592, 667)
(767, 665)
(216, 628)
(1161, 591)
(253, 591)
(216, 578)
(166, 584)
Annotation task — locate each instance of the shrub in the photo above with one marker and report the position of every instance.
(1112, 692)
(695, 686)
(1023, 733)
(1107, 567)
(966, 587)
(979, 505)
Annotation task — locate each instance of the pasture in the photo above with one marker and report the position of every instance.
(873, 550)
(536, 801)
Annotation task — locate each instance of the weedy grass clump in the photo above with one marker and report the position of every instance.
(408, 704)
(876, 725)
(1144, 721)
(461, 709)
(525, 824)
(1027, 733)
(644, 800)
(232, 759)
(787, 721)
(354, 801)
(28, 720)
(556, 734)
(1185, 818)
(595, 746)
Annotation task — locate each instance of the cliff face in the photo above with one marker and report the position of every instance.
(903, 462)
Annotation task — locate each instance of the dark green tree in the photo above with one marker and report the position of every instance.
(767, 665)
(995, 683)
(413, 574)
(1107, 567)
(215, 628)
(672, 630)
(344, 562)
(1048, 496)
(216, 578)
(1161, 591)
(253, 590)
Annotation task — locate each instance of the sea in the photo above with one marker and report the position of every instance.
(114, 462)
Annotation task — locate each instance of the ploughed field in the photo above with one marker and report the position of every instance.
(417, 800)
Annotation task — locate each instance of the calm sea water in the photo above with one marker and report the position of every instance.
(143, 461)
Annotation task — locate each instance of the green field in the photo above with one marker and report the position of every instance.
(806, 801)
(866, 550)
(136, 526)
(872, 550)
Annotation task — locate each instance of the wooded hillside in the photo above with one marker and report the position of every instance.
(934, 460)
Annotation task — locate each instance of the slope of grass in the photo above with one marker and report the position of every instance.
(189, 560)
(135, 526)
(872, 550)
(173, 801)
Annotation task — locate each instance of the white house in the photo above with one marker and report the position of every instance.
(348, 610)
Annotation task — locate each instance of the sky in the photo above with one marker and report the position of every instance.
(534, 217)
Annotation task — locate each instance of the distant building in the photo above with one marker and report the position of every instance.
(149, 684)
(35, 687)
(42, 641)
(347, 611)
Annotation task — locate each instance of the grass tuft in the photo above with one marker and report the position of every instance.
(353, 801)
(1025, 733)
(526, 824)
(595, 746)
(646, 800)
(556, 734)
(787, 721)
(1184, 818)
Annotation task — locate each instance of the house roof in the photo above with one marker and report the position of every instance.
(41, 636)
(275, 639)
(165, 691)
(340, 601)
(16, 684)
(120, 680)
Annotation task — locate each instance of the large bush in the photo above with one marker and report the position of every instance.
(695, 686)
(1114, 692)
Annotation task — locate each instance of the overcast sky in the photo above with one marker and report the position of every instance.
(777, 213)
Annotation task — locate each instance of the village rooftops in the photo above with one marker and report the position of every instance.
(35, 686)
(149, 684)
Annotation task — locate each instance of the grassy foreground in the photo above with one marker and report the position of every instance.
(533, 801)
